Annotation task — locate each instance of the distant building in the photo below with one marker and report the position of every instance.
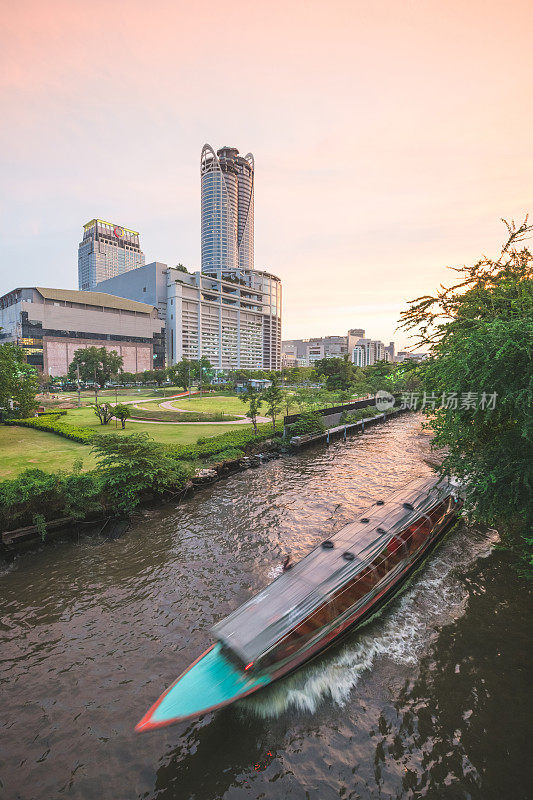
(379, 351)
(405, 355)
(51, 324)
(306, 351)
(234, 320)
(390, 352)
(359, 355)
(353, 337)
(106, 250)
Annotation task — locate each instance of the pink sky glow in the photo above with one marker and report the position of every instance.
(389, 138)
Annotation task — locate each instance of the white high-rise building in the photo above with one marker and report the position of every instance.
(227, 183)
(236, 324)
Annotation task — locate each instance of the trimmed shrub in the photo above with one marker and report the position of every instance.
(349, 417)
(308, 422)
(164, 415)
(53, 424)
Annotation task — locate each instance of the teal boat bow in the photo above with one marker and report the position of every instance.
(209, 683)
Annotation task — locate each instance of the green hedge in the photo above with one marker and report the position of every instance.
(238, 439)
(53, 424)
(349, 417)
(180, 416)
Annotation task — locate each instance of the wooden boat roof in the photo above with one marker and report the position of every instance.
(258, 624)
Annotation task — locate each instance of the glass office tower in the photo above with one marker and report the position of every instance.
(227, 210)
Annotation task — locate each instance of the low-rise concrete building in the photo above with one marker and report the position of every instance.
(51, 324)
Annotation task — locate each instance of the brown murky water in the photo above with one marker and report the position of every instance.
(432, 699)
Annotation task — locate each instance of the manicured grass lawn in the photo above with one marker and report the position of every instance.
(23, 448)
(170, 434)
(229, 405)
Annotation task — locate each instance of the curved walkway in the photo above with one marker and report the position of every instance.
(167, 405)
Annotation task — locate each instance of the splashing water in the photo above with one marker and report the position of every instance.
(435, 597)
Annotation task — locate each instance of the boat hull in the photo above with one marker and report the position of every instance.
(375, 606)
(211, 682)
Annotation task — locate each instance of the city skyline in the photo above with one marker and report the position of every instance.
(383, 153)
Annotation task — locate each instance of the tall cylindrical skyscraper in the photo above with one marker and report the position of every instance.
(227, 209)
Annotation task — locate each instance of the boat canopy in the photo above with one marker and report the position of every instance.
(256, 626)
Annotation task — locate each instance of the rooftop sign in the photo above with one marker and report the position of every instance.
(118, 230)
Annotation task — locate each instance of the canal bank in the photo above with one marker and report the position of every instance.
(429, 700)
(107, 523)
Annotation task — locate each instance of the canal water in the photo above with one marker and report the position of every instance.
(432, 699)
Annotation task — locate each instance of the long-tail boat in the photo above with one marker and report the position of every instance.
(337, 586)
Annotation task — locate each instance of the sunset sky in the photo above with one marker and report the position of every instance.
(389, 138)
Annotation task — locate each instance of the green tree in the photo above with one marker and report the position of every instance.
(146, 377)
(104, 412)
(126, 377)
(252, 398)
(96, 364)
(181, 373)
(18, 382)
(122, 412)
(202, 371)
(133, 465)
(480, 335)
(338, 372)
(378, 376)
(288, 400)
(273, 397)
(305, 398)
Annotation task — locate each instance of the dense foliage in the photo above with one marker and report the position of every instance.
(339, 372)
(165, 415)
(186, 372)
(480, 332)
(238, 439)
(307, 422)
(18, 382)
(35, 495)
(130, 466)
(349, 417)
